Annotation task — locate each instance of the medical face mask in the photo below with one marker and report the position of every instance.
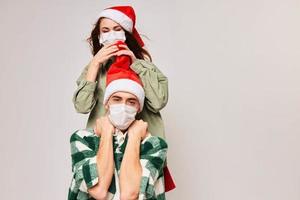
(121, 115)
(111, 37)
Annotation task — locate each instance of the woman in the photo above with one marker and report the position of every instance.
(117, 23)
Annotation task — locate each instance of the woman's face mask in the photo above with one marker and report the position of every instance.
(121, 115)
(111, 37)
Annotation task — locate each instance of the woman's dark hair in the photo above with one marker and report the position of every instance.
(131, 42)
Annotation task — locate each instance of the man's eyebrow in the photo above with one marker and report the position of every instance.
(116, 97)
(132, 99)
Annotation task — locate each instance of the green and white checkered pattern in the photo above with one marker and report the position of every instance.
(84, 147)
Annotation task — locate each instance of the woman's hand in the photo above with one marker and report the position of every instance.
(105, 53)
(102, 56)
(126, 51)
(103, 126)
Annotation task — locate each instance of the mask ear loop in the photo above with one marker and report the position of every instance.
(99, 39)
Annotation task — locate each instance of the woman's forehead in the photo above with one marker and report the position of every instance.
(106, 22)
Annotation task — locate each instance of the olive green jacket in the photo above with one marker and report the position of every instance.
(88, 97)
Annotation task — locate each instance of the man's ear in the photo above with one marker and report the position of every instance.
(139, 108)
(106, 107)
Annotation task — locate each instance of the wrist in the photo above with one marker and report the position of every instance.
(92, 72)
(107, 134)
(133, 59)
(134, 136)
(95, 65)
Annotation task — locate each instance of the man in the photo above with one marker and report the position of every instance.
(119, 158)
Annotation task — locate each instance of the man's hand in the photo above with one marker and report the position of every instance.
(138, 129)
(103, 126)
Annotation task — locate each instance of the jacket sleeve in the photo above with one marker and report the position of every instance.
(155, 84)
(84, 97)
(153, 156)
(84, 165)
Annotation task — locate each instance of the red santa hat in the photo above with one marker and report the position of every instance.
(125, 16)
(121, 78)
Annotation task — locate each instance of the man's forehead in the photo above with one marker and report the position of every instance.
(125, 95)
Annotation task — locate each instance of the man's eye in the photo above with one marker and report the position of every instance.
(132, 102)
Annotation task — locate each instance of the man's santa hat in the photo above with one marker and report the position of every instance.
(121, 78)
(125, 16)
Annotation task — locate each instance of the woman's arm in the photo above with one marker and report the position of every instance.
(84, 97)
(155, 84)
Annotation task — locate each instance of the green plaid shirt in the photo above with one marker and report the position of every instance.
(84, 147)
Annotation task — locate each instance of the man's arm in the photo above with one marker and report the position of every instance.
(152, 157)
(131, 170)
(105, 160)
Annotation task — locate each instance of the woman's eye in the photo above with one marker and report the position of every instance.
(104, 30)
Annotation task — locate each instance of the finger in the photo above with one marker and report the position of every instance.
(113, 46)
(97, 121)
(105, 50)
(96, 129)
(134, 122)
(124, 52)
(109, 54)
(110, 49)
(109, 45)
(115, 53)
(124, 46)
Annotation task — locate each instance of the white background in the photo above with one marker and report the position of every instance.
(233, 115)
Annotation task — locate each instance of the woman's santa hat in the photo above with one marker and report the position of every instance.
(125, 16)
(121, 78)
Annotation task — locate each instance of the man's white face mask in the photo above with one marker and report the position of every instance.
(111, 37)
(121, 115)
